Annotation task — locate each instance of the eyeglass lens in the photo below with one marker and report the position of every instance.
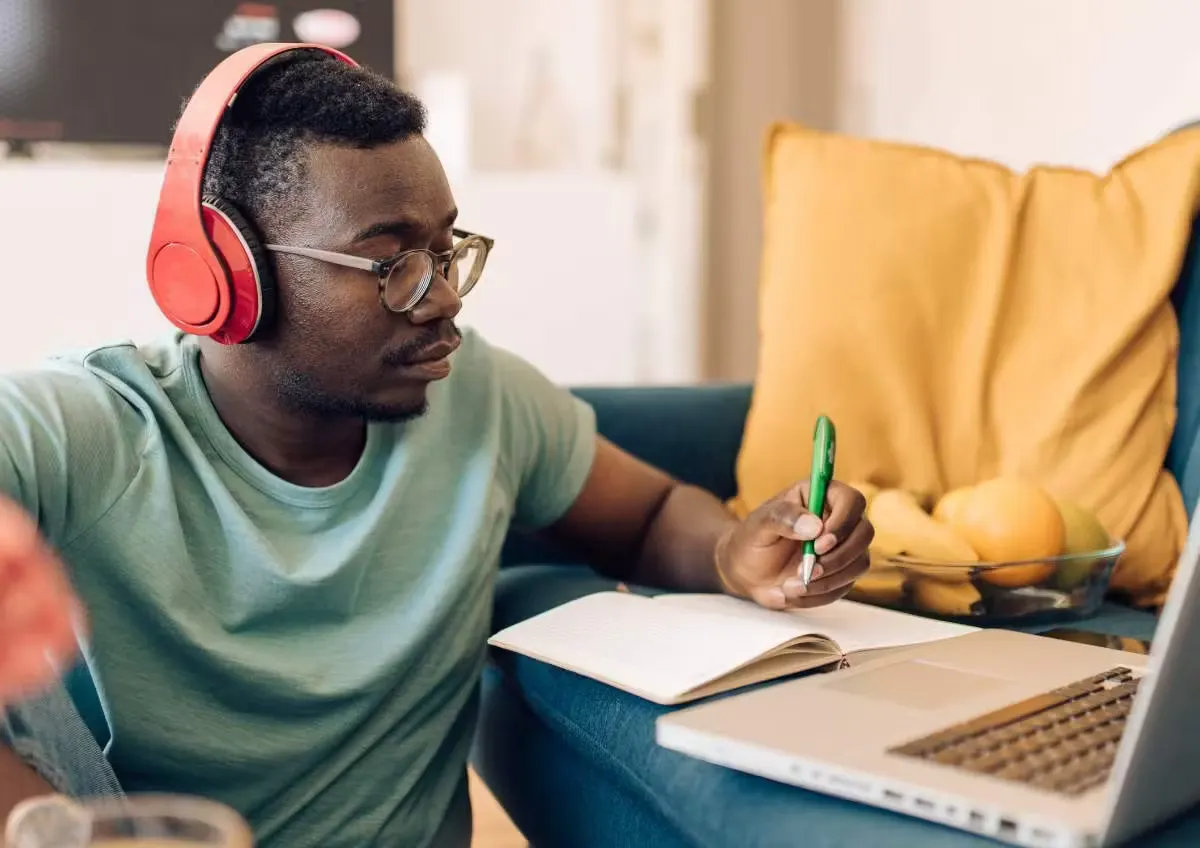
(412, 275)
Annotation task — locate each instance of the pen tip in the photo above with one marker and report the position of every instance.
(806, 567)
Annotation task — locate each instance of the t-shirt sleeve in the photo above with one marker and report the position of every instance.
(550, 441)
(61, 453)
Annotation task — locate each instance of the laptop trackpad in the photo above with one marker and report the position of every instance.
(915, 683)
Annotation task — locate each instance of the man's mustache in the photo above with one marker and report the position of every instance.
(408, 352)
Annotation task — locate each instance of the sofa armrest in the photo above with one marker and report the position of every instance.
(691, 432)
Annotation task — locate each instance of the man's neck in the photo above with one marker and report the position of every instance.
(306, 450)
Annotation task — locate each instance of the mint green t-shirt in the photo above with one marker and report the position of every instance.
(309, 656)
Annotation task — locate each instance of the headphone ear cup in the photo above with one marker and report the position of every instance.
(252, 280)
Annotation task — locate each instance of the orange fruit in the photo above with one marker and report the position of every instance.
(1010, 519)
(950, 503)
(1016, 576)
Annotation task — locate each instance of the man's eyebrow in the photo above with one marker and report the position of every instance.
(401, 228)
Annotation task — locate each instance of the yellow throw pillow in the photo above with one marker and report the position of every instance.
(959, 321)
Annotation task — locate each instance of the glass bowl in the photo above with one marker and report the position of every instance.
(1055, 589)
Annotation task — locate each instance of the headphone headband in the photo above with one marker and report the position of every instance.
(187, 275)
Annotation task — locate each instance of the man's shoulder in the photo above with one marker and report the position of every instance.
(122, 358)
(114, 378)
(76, 428)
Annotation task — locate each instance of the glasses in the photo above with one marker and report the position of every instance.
(145, 821)
(405, 278)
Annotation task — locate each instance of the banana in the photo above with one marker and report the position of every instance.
(1134, 646)
(880, 586)
(943, 574)
(941, 598)
(902, 528)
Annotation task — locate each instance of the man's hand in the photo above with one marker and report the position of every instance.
(759, 558)
(38, 609)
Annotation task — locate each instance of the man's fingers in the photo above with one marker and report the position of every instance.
(32, 653)
(38, 610)
(844, 507)
(835, 573)
(828, 581)
(825, 589)
(771, 597)
(811, 601)
(22, 671)
(782, 518)
(846, 552)
(19, 536)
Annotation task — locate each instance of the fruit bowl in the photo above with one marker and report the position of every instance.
(998, 552)
(1051, 589)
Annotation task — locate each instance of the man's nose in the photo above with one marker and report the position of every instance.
(441, 301)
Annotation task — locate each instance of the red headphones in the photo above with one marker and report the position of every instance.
(206, 265)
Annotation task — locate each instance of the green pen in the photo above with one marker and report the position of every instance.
(824, 448)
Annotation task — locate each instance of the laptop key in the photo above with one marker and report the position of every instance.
(1064, 740)
(1003, 716)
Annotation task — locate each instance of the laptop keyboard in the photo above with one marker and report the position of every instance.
(1064, 740)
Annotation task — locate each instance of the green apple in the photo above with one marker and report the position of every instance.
(1084, 534)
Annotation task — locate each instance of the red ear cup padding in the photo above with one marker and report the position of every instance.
(202, 269)
(252, 283)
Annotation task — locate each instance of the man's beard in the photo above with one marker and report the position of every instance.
(300, 393)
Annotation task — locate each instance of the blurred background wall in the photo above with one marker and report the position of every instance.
(612, 147)
(1069, 82)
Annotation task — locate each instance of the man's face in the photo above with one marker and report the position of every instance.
(336, 349)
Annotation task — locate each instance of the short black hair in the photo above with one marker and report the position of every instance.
(257, 159)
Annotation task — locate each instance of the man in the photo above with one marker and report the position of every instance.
(286, 548)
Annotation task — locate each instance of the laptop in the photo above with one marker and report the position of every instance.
(1029, 740)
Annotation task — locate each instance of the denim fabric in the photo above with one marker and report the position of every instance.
(49, 735)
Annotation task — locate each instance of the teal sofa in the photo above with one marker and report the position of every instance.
(575, 762)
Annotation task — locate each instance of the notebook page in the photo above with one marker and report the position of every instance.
(851, 625)
(656, 650)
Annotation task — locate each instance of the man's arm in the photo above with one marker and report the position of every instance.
(637, 524)
(18, 782)
(634, 522)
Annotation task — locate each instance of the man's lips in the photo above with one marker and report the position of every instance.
(431, 362)
(436, 351)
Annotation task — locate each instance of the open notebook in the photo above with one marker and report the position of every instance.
(672, 649)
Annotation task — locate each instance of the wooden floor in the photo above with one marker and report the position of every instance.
(492, 827)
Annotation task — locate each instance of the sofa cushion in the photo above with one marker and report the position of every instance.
(959, 320)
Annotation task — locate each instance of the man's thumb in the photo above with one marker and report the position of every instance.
(785, 519)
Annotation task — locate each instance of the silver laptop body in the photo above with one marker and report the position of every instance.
(1030, 740)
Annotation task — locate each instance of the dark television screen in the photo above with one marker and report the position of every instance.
(118, 71)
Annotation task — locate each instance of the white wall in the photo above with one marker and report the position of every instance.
(72, 256)
(584, 88)
(496, 45)
(1074, 82)
(558, 288)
